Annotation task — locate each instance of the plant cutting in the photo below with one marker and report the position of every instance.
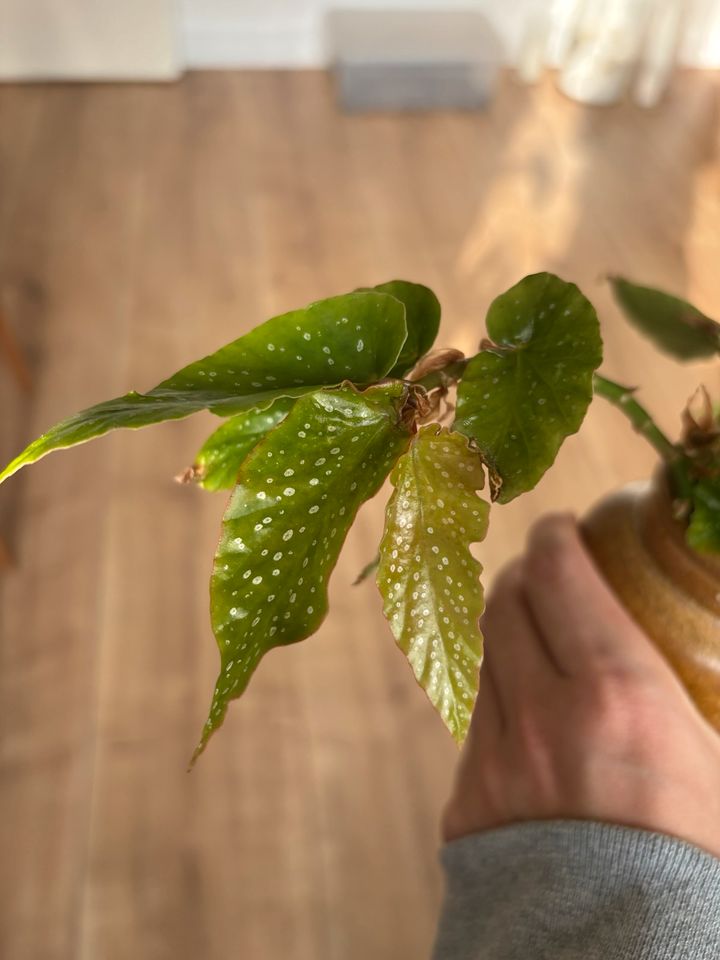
(321, 405)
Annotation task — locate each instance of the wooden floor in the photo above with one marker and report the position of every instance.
(142, 226)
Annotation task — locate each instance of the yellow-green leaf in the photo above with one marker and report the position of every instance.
(427, 576)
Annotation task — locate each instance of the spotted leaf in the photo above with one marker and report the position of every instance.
(218, 461)
(422, 315)
(356, 337)
(520, 397)
(296, 498)
(675, 325)
(427, 576)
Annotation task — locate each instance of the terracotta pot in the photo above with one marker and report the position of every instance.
(669, 589)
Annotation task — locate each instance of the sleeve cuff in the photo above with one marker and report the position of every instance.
(578, 889)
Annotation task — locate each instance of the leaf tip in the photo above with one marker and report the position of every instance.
(11, 469)
(199, 749)
(207, 732)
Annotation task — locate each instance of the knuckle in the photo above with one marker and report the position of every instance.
(617, 708)
(552, 560)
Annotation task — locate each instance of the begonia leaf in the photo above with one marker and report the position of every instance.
(522, 395)
(296, 497)
(673, 324)
(356, 337)
(422, 315)
(218, 460)
(427, 576)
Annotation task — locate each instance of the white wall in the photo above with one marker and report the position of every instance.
(252, 32)
(89, 39)
(701, 46)
(156, 39)
(282, 33)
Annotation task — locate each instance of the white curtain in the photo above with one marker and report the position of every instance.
(606, 49)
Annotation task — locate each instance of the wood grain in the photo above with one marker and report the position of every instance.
(143, 226)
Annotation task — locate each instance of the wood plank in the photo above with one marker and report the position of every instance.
(70, 235)
(20, 111)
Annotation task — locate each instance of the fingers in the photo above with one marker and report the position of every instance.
(514, 650)
(488, 720)
(468, 810)
(582, 621)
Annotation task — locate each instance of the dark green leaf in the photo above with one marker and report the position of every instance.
(703, 532)
(672, 324)
(428, 577)
(219, 459)
(356, 337)
(520, 398)
(296, 498)
(422, 315)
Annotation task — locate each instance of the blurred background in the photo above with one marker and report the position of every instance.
(172, 174)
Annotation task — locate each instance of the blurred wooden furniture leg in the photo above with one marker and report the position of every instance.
(13, 356)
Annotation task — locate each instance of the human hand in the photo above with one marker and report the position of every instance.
(579, 716)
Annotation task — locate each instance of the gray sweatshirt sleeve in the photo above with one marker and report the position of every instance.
(578, 890)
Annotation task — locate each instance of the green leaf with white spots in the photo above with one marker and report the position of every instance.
(422, 315)
(428, 578)
(220, 457)
(524, 394)
(356, 337)
(673, 324)
(297, 495)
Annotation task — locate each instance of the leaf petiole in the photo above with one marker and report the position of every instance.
(623, 398)
(445, 376)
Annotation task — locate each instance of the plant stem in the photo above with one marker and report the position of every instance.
(449, 374)
(623, 398)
